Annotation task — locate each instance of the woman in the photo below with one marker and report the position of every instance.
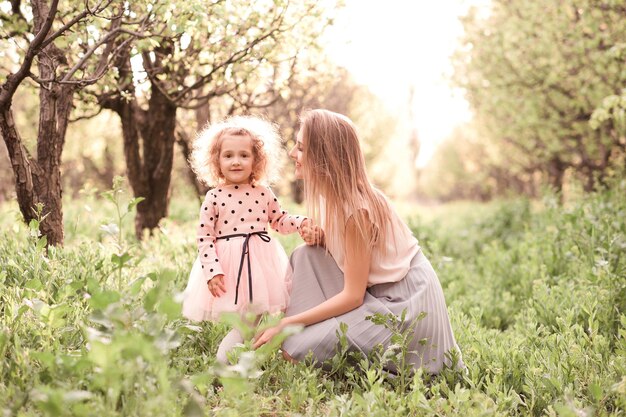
(375, 263)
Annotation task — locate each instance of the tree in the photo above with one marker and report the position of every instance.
(61, 52)
(316, 83)
(200, 53)
(534, 73)
(467, 165)
(313, 82)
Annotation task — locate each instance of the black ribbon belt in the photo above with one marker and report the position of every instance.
(245, 253)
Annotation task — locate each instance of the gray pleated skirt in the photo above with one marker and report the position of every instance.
(316, 278)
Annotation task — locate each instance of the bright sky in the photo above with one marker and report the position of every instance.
(393, 45)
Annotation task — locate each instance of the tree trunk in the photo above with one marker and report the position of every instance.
(590, 181)
(39, 181)
(556, 172)
(149, 137)
(148, 151)
(158, 156)
(203, 116)
(297, 191)
(23, 166)
(185, 146)
(55, 108)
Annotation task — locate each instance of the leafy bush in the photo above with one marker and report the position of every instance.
(536, 294)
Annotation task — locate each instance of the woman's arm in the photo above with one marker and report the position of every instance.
(356, 272)
(358, 254)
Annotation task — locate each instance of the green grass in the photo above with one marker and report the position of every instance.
(536, 295)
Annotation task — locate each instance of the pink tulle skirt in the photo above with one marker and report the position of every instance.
(271, 281)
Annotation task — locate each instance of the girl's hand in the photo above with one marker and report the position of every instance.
(311, 234)
(217, 286)
(266, 336)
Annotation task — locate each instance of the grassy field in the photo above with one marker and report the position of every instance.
(536, 294)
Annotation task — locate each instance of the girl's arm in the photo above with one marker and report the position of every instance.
(358, 256)
(281, 221)
(206, 237)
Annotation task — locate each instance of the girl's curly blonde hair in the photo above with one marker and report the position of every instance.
(266, 145)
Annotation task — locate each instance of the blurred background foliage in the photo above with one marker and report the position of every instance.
(546, 83)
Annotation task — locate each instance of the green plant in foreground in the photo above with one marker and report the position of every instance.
(121, 257)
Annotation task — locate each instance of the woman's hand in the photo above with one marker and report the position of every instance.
(266, 335)
(217, 286)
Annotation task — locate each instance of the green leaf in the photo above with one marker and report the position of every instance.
(167, 275)
(135, 286)
(102, 299)
(33, 225)
(133, 203)
(101, 354)
(564, 411)
(109, 195)
(42, 242)
(151, 299)
(170, 308)
(596, 391)
(193, 409)
(120, 260)
(45, 358)
(33, 284)
(49, 400)
(56, 318)
(4, 341)
(41, 308)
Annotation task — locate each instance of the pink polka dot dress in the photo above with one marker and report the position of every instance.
(233, 240)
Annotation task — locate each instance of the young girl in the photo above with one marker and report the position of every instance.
(239, 268)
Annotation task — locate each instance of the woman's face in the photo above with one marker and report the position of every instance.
(296, 155)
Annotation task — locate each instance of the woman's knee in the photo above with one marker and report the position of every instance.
(288, 357)
(304, 253)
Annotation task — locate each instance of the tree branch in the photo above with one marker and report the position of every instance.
(14, 80)
(108, 37)
(88, 116)
(234, 57)
(63, 28)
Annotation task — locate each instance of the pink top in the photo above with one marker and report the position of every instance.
(236, 209)
(401, 247)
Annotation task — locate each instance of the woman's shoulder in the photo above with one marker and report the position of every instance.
(377, 210)
(362, 206)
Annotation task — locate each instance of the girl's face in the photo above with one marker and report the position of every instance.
(236, 159)
(296, 155)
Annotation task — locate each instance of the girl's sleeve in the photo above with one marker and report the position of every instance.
(206, 237)
(280, 220)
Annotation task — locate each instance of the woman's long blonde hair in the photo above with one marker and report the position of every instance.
(336, 185)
